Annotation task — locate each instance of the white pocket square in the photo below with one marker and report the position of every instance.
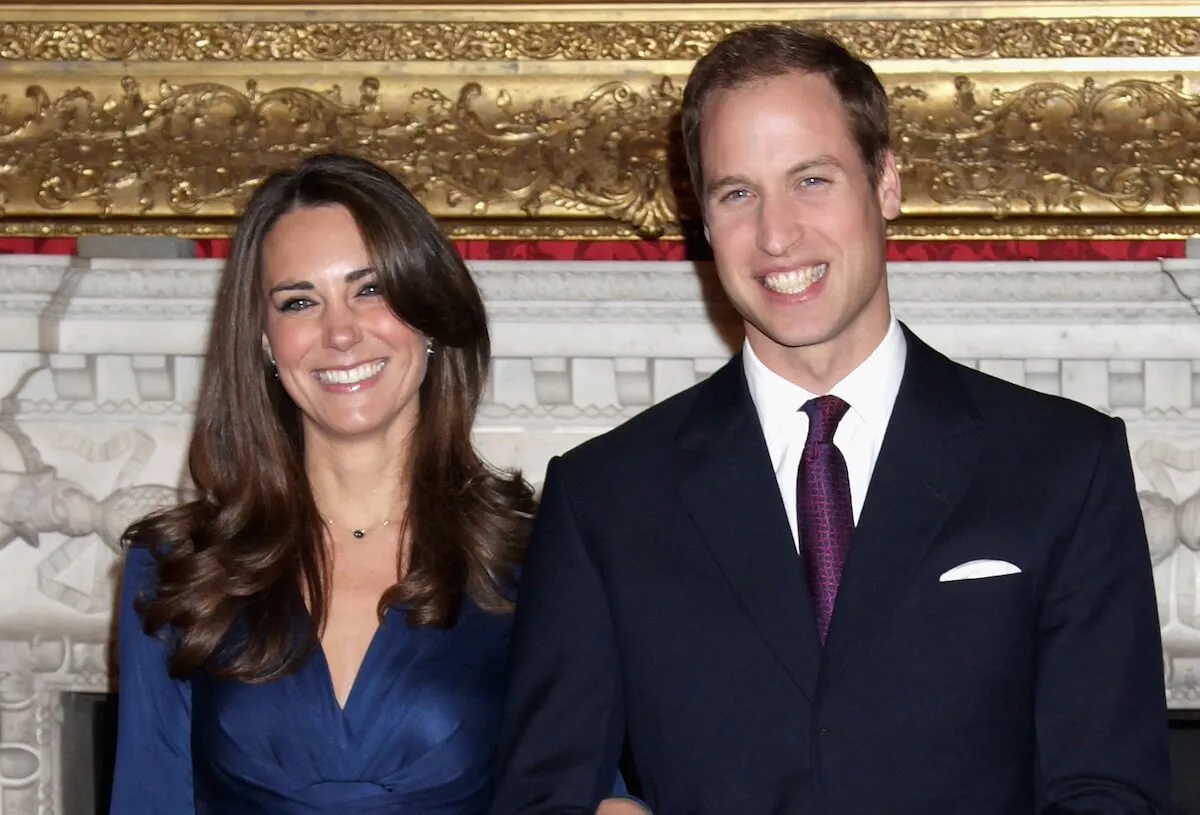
(975, 569)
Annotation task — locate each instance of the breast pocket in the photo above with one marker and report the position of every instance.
(976, 595)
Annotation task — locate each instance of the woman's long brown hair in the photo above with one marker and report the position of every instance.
(235, 564)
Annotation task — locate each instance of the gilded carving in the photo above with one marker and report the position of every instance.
(623, 41)
(498, 151)
(527, 121)
(1126, 146)
(196, 148)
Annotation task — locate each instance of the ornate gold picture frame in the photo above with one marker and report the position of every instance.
(524, 120)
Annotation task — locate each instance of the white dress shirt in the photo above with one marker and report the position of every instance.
(870, 390)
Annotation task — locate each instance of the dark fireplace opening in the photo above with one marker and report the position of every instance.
(1185, 761)
(89, 742)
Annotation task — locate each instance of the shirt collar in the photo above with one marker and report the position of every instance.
(870, 389)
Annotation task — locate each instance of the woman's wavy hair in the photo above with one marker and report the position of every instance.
(236, 564)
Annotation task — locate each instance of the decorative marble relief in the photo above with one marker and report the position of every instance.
(100, 364)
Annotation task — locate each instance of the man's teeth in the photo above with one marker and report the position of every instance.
(352, 376)
(797, 280)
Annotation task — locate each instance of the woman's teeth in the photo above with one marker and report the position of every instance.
(352, 376)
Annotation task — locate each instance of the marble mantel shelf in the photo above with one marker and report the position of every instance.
(70, 306)
(100, 362)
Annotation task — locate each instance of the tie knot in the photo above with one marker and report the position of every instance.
(824, 413)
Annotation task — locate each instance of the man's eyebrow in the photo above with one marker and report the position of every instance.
(806, 166)
(814, 164)
(726, 181)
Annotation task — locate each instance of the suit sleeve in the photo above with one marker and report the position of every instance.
(1101, 718)
(563, 723)
(153, 772)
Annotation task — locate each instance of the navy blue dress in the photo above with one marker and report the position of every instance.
(416, 735)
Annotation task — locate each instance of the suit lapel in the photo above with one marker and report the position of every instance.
(923, 471)
(732, 495)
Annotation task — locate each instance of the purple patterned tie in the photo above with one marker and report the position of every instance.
(825, 516)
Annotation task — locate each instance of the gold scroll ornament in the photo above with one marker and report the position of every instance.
(521, 121)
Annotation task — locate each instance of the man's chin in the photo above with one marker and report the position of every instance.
(793, 338)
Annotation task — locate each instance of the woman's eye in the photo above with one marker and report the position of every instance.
(295, 304)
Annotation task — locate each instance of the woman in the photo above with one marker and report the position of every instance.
(324, 629)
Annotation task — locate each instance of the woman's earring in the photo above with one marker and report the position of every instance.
(429, 346)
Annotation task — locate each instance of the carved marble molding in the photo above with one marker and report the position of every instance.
(66, 291)
(526, 120)
(151, 317)
(100, 362)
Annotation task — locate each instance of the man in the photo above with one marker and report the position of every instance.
(845, 574)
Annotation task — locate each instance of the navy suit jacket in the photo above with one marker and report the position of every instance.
(663, 603)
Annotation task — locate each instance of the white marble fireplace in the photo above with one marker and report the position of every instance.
(99, 363)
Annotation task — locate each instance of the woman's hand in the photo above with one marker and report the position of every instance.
(620, 806)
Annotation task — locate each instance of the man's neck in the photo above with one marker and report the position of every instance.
(818, 368)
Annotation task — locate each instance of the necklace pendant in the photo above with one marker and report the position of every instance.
(358, 533)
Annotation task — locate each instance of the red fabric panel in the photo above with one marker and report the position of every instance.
(37, 246)
(961, 251)
(1034, 250)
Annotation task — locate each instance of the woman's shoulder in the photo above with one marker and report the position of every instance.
(139, 575)
(140, 570)
(141, 563)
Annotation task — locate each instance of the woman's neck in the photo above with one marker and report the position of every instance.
(358, 486)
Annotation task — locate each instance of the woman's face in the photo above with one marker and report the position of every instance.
(348, 362)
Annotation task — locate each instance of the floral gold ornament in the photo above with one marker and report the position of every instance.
(517, 120)
(621, 41)
(1053, 147)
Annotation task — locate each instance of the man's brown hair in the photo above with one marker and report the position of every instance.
(767, 51)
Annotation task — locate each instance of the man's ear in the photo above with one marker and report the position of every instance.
(887, 186)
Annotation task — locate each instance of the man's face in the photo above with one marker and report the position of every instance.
(797, 227)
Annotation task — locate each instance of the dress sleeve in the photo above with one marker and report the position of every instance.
(620, 791)
(153, 772)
